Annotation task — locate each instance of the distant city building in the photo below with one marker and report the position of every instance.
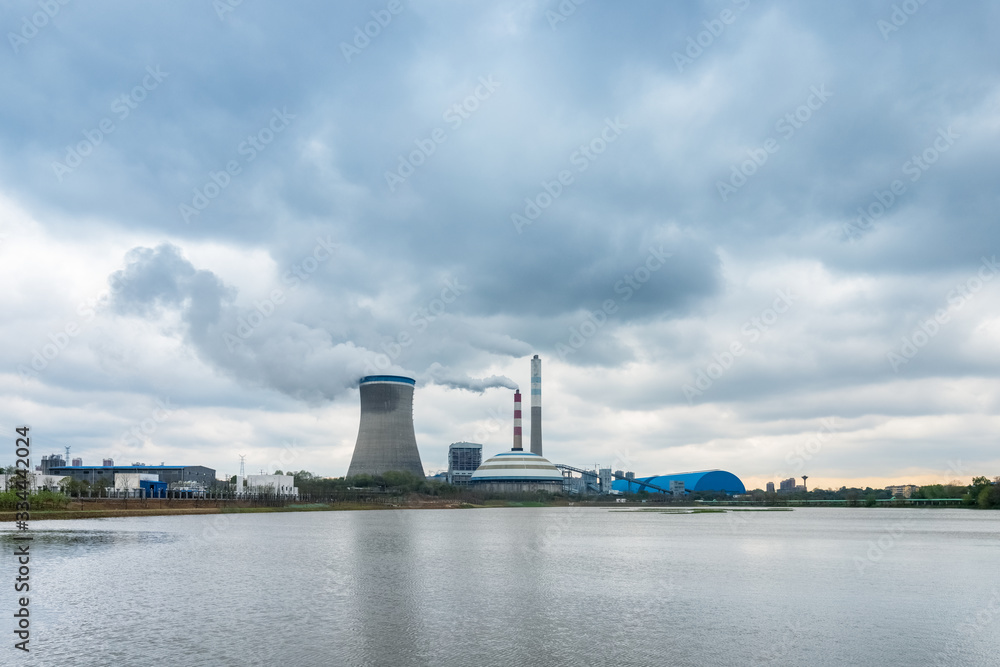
(463, 459)
(770, 487)
(52, 461)
(902, 490)
(78, 461)
(677, 487)
(630, 475)
(107, 462)
(787, 485)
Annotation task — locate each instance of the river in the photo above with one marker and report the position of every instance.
(515, 586)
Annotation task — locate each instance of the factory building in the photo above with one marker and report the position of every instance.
(282, 486)
(36, 481)
(705, 480)
(386, 439)
(172, 475)
(463, 459)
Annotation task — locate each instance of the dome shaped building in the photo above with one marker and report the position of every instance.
(517, 471)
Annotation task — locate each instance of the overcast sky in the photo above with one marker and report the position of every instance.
(741, 234)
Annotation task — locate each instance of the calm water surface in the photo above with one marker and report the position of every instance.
(519, 586)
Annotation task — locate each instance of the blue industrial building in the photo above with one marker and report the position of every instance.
(705, 480)
(152, 489)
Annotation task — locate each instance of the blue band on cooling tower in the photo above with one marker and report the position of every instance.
(388, 378)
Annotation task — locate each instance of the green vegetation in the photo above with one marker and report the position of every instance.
(980, 493)
(393, 482)
(42, 500)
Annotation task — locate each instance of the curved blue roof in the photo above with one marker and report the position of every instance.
(388, 378)
(705, 480)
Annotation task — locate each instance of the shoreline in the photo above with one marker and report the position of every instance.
(167, 508)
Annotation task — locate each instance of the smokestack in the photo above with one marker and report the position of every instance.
(536, 405)
(517, 422)
(386, 440)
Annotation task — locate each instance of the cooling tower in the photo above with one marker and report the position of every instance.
(536, 405)
(385, 437)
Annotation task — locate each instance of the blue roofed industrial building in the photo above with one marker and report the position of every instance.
(718, 481)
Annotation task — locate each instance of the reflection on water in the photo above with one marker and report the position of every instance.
(554, 586)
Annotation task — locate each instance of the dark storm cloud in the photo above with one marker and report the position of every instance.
(740, 147)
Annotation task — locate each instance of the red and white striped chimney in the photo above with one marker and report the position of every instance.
(517, 421)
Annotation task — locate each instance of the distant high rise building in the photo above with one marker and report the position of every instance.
(52, 461)
(787, 485)
(463, 459)
(109, 462)
(78, 461)
(770, 487)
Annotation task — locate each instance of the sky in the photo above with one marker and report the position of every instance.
(740, 234)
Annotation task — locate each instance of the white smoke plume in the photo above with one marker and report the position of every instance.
(438, 374)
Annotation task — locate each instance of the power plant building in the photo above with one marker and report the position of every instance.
(517, 472)
(386, 439)
(705, 480)
(463, 459)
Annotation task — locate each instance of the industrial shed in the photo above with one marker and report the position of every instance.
(704, 480)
